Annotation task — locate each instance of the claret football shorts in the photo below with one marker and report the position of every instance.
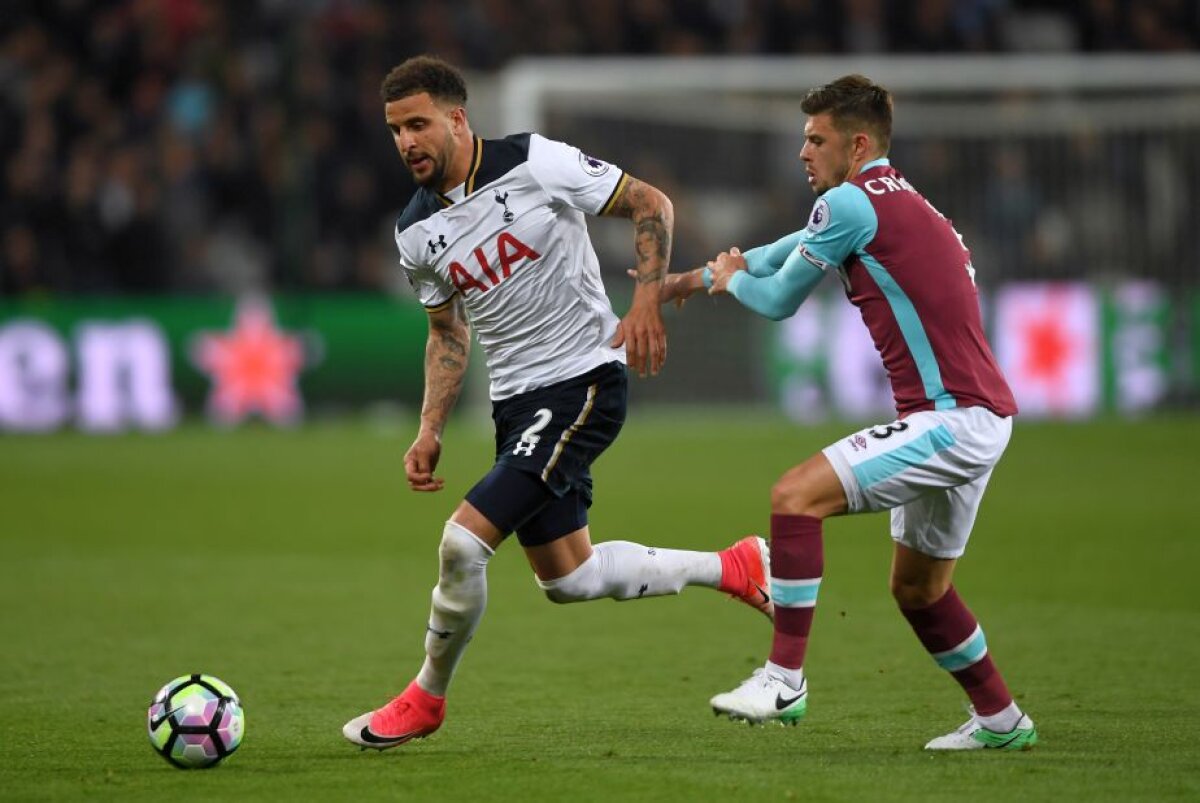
(930, 469)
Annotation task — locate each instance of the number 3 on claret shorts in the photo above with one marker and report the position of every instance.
(530, 437)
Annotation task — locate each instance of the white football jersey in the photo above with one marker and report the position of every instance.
(513, 243)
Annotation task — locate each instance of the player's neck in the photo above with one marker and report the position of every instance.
(856, 165)
(460, 165)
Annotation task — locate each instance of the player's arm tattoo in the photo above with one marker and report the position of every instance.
(653, 219)
(446, 353)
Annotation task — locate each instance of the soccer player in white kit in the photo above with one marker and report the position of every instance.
(495, 238)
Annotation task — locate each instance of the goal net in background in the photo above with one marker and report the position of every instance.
(1074, 181)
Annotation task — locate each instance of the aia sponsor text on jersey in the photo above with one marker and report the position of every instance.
(509, 252)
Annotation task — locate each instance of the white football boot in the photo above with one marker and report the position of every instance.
(762, 697)
(972, 735)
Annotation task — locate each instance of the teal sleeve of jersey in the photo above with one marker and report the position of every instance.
(842, 222)
(777, 296)
(767, 259)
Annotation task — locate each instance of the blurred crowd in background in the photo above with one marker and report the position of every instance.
(184, 145)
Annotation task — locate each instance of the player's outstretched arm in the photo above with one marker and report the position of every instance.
(678, 287)
(766, 260)
(642, 330)
(446, 352)
(776, 296)
(760, 262)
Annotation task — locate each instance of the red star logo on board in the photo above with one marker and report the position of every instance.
(254, 367)
(1048, 349)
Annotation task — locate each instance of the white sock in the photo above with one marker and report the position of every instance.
(459, 599)
(1002, 721)
(792, 677)
(623, 570)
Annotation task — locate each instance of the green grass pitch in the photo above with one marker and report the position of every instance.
(297, 567)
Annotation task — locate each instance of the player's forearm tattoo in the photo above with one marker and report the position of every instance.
(451, 350)
(654, 221)
(445, 366)
(653, 246)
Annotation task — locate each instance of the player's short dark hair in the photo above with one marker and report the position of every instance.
(854, 103)
(429, 74)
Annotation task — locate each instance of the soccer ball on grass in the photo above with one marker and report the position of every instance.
(195, 721)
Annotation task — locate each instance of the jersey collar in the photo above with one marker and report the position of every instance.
(882, 161)
(467, 187)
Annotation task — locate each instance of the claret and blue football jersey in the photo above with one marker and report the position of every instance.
(909, 273)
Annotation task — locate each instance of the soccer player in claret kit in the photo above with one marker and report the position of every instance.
(909, 273)
(495, 238)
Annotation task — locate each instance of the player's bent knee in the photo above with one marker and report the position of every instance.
(452, 550)
(809, 489)
(789, 495)
(459, 550)
(559, 597)
(581, 585)
(914, 596)
(564, 594)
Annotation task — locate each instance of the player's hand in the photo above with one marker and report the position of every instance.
(676, 287)
(420, 461)
(723, 268)
(644, 335)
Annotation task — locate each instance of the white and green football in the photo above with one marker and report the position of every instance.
(195, 721)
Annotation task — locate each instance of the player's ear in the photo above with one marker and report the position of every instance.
(458, 119)
(862, 145)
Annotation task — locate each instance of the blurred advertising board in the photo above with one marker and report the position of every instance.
(110, 364)
(1068, 350)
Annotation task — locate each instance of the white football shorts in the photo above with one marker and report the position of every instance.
(930, 469)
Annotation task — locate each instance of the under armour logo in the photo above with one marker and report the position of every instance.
(530, 437)
(503, 199)
(441, 243)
